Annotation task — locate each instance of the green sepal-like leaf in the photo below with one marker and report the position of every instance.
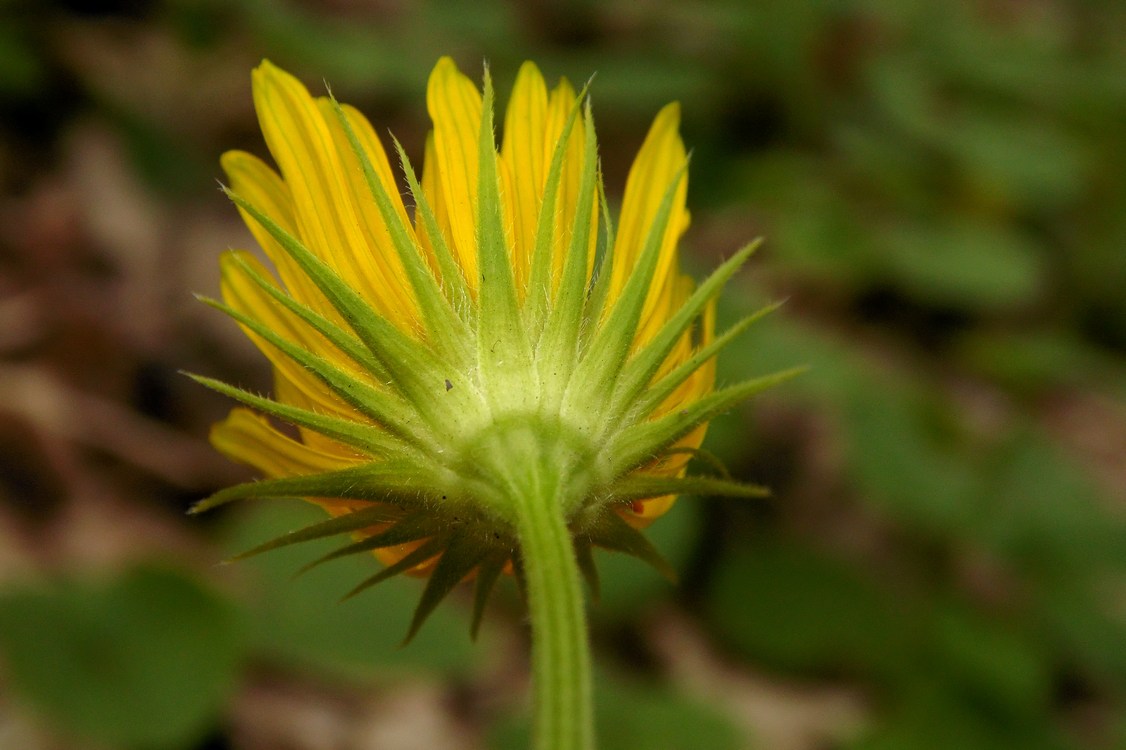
(396, 482)
(487, 574)
(641, 487)
(584, 554)
(337, 336)
(388, 410)
(367, 439)
(410, 529)
(501, 338)
(611, 532)
(416, 557)
(415, 371)
(641, 368)
(453, 279)
(354, 521)
(642, 442)
(463, 553)
(561, 332)
(445, 327)
(713, 461)
(540, 284)
(599, 370)
(597, 297)
(656, 394)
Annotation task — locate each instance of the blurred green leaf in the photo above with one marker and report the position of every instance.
(902, 459)
(1085, 627)
(781, 341)
(963, 264)
(1030, 362)
(1038, 510)
(796, 609)
(992, 664)
(634, 715)
(928, 718)
(814, 232)
(1025, 159)
(142, 660)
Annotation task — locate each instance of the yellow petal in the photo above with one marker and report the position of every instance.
(524, 153)
(287, 392)
(254, 180)
(250, 439)
(702, 382)
(519, 259)
(665, 300)
(244, 295)
(396, 301)
(644, 512)
(560, 104)
(373, 146)
(455, 108)
(435, 196)
(302, 144)
(660, 160)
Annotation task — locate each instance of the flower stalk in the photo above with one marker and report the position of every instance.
(540, 479)
(561, 665)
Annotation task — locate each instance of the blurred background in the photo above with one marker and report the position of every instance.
(942, 187)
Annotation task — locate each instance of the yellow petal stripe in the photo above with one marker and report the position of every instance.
(660, 160)
(302, 143)
(250, 439)
(523, 153)
(435, 195)
(251, 178)
(560, 104)
(455, 108)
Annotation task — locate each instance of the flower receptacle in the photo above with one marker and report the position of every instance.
(517, 458)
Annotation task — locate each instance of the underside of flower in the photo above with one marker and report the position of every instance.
(503, 343)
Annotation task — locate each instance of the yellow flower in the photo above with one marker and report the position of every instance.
(502, 338)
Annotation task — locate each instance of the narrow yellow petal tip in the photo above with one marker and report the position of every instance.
(444, 70)
(231, 159)
(262, 70)
(668, 119)
(530, 72)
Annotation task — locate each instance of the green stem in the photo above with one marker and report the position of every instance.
(537, 474)
(561, 672)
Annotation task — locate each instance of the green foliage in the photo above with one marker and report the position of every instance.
(142, 660)
(799, 610)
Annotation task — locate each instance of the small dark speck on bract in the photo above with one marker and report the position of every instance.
(449, 385)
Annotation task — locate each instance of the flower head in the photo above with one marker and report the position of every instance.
(505, 339)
